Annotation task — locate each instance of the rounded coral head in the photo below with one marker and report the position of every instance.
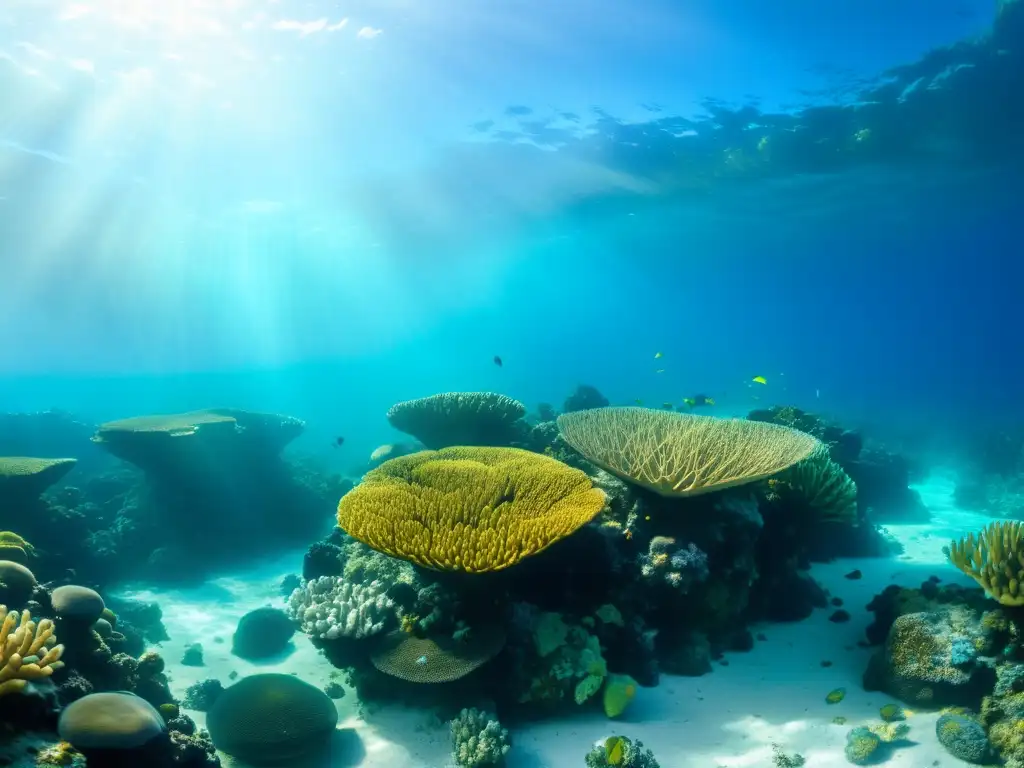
(468, 509)
(681, 454)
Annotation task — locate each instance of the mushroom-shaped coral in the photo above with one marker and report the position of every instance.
(994, 559)
(681, 454)
(437, 659)
(153, 442)
(16, 580)
(271, 718)
(468, 509)
(78, 604)
(28, 651)
(110, 722)
(458, 418)
(23, 477)
(262, 633)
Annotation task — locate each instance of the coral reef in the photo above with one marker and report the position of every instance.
(237, 497)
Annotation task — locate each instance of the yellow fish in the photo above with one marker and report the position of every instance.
(759, 380)
(614, 750)
(657, 355)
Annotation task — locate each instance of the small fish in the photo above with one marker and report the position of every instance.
(422, 660)
(657, 355)
(853, 575)
(497, 361)
(614, 750)
(638, 401)
(817, 393)
(339, 441)
(759, 380)
(660, 370)
(698, 400)
(834, 697)
(667, 406)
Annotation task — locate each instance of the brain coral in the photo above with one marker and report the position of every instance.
(681, 454)
(271, 718)
(468, 509)
(994, 559)
(458, 418)
(110, 720)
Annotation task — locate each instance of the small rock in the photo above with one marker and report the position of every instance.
(839, 617)
(193, 656)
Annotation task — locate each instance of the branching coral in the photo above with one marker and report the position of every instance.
(994, 559)
(28, 651)
(680, 454)
(330, 608)
(468, 509)
(478, 740)
(458, 418)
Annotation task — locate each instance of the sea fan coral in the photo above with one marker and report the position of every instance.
(680, 454)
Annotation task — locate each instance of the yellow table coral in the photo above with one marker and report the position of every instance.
(28, 651)
(681, 454)
(468, 509)
(994, 559)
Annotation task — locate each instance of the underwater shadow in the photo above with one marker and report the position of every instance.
(269, 661)
(343, 750)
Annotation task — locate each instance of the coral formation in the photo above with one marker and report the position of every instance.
(262, 633)
(681, 454)
(620, 752)
(24, 477)
(110, 721)
(478, 740)
(331, 607)
(438, 659)
(964, 738)
(678, 567)
(28, 650)
(271, 718)
(995, 559)
(821, 483)
(459, 418)
(468, 509)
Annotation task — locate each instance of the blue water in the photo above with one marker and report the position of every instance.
(256, 204)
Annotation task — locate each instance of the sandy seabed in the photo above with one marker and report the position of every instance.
(730, 718)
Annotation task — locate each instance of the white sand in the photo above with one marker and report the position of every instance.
(726, 719)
